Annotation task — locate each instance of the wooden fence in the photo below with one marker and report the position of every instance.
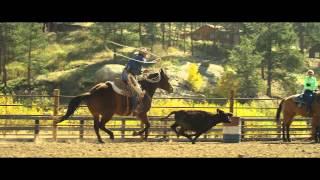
(253, 128)
(42, 126)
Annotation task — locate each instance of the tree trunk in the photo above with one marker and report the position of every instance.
(214, 37)
(163, 30)
(235, 34)
(177, 35)
(184, 37)
(1, 49)
(121, 33)
(192, 53)
(5, 53)
(169, 33)
(140, 34)
(301, 31)
(29, 57)
(4, 69)
(269, 70)
(105, 35)
(114, 37)
(1, 59)
(262, 71)
(152, 35)
(301, 43)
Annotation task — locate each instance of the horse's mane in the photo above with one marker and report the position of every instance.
(151, 77)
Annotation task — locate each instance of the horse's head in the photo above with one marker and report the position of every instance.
(164, 82)
(161, 80)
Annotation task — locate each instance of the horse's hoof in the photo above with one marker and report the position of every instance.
(111, 137)
(135, 133)
(100, 142)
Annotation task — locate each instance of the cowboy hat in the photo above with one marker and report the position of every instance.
(143, 51)
(311, 72)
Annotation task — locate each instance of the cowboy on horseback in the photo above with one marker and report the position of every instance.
(310, 85)
(133, 69)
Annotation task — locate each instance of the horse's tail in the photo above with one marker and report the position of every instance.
(279, 111)
(73, 105)
(173, 112)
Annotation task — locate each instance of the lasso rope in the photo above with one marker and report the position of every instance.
(158, 57)
(153, 80)
(146, 62)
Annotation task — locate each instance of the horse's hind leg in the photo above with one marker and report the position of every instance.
(318, 134)
(284, 139)
(106, 118)
(96, 128)
(288, 131)
(287, 120)
(315, 129)
(145, 120)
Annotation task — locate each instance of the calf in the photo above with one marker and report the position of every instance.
(197, 121)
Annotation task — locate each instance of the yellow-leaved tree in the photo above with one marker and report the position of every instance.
(194, 77)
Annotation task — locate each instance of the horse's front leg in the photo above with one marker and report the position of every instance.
(314, 133)
(144, 119)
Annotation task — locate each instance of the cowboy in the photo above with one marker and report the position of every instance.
(310, 85)
(133, 69)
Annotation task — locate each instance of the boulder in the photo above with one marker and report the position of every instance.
(109, 72)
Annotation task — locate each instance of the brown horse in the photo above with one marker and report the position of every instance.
(290, 109)
(103, 100)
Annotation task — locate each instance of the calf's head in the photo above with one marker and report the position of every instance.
(224, 117)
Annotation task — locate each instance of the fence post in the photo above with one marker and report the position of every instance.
(165, 123)
(279, 128)
(231, 101)
(141, 126)
(36, 129)
(56, 96)
(81, 132)
(123, 127)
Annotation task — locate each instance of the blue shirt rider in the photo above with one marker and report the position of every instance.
(133, 69)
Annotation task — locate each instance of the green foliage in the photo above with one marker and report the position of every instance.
(62, 51)
(228, 81)
(245, 61)
(288, 59)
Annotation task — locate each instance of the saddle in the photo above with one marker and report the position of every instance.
(299, 100)
(121, 87)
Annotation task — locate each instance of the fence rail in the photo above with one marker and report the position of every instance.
(35, 126)
(82, 128)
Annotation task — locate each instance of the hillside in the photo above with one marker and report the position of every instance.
(74, 63)
(75, 59)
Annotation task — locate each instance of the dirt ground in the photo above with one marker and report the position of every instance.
(159, 149)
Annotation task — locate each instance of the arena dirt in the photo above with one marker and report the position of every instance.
(159, 149)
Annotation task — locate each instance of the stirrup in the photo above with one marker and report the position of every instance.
(138, 109)
(141, 95)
